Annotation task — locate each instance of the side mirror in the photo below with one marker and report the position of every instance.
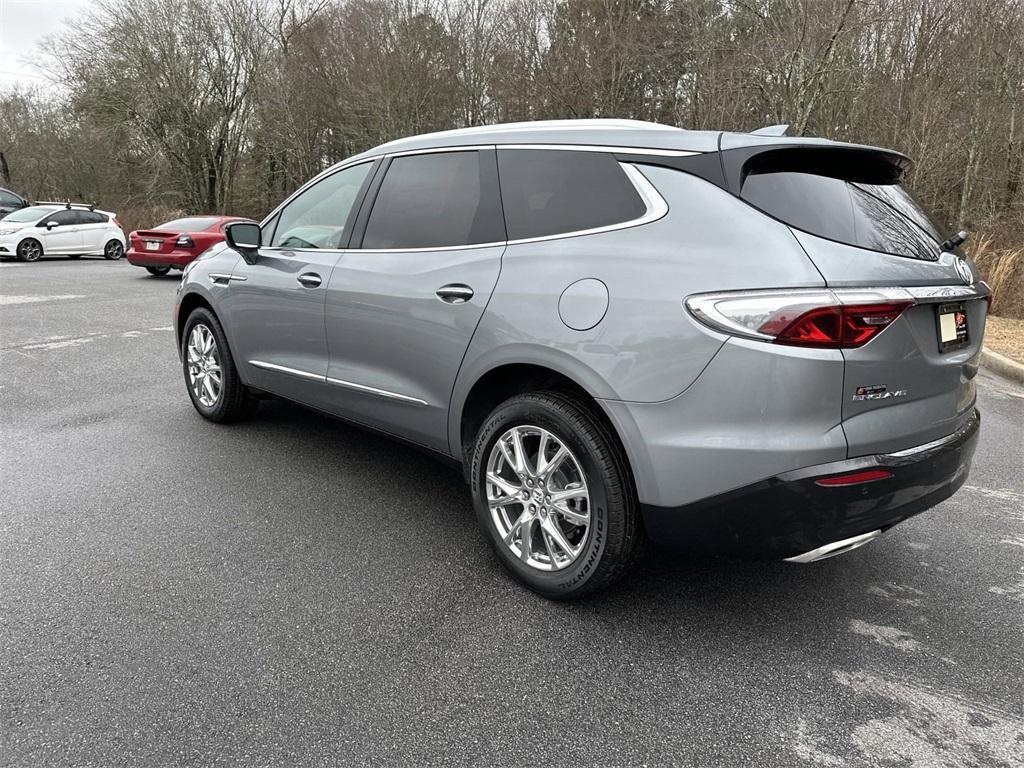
(52, 224)
(245, 237)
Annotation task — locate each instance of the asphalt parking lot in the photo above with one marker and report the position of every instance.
(294, 591)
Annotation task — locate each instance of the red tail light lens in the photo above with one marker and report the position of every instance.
(184, 241)
(838, 326)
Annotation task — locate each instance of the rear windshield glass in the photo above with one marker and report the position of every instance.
(193, 224)
(27, 215)
(881, 217)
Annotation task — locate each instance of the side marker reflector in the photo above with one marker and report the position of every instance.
(854, 478)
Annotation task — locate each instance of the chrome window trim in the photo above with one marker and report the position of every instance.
(604, 148)
(375, 391)
(655, 204)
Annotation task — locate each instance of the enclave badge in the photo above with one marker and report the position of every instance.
(877, 392)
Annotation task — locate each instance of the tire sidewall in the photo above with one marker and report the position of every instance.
(204, 317)
(524, 411)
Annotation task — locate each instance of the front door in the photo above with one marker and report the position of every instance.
(402, 308)
(66, 236)
(275, 302)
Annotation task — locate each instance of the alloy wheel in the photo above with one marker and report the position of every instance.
(31, 250)
(114, 250)
(538, 498)
(204, 370)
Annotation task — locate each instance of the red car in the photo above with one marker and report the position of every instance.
(174, 244)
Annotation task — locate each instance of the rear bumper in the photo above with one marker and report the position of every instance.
(789, 516)
(177, 259)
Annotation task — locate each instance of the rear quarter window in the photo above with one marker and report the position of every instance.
(555, 192)
(879, 217)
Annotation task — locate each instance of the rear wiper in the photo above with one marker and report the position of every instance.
(958, 239)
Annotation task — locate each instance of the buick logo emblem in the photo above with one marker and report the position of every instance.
(964, 270)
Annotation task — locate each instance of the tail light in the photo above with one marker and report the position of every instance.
(831, 319)
(184, 241)
(854, 478)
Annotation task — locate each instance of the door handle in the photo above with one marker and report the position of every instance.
(455, 293)
(309, 279)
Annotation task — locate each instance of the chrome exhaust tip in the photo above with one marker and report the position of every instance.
(835, 548)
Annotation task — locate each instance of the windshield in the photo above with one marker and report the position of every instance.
(28, 215)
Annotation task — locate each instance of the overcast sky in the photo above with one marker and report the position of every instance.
(23, 23)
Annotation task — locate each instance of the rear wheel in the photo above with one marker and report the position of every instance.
(210, 374)
(555, 496)
(113, 250)
(30, 250)
(158, 271)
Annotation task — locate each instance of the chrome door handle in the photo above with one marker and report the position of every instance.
(455, 293)
(309, 279)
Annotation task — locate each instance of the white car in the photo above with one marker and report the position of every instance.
(60, 229)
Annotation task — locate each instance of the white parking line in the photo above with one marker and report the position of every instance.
(5, 300)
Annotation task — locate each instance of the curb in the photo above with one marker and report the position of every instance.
(1002, 365)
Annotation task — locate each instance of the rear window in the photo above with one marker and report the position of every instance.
(555, 192)
(191, 224)
(880, 217)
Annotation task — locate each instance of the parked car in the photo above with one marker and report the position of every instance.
(10, 202)
(619, 331)
(61, 229)
(176, 243)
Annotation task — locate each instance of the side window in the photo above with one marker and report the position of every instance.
(436, 200)
(64, 218)
(554, 192)
(91, 217)
(9, 201)
(316, 218)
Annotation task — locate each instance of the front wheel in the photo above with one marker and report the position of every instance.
(30, 250)
(158, 271)
(113, 250)
(211, 378)
(554, 495)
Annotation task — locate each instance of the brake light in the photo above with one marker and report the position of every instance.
(843, 326)
(184, 241)
(854, 478)
(829, 319)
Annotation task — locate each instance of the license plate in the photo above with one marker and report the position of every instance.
(152, 245)
(952, 323)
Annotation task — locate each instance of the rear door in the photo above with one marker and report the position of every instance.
(402, 308)
(914, 382)
(275, 305)
(94, 229)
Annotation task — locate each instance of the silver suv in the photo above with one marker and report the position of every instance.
(620, 331)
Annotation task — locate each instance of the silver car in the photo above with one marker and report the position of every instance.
(622, 332)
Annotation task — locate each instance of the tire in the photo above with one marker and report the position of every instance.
(30, 249)
(158, 271)
(75, 256)
(233, 402)
(604, 497)
(113, 250)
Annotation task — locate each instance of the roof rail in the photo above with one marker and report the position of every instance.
(772, 130)
(67, 204)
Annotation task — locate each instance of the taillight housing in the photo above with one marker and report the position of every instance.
(829, 319)
(184, 241)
